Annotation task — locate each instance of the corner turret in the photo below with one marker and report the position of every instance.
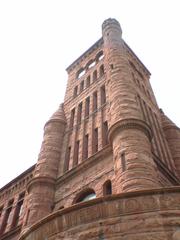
(129, 134)
(172, 133)
(41, 188)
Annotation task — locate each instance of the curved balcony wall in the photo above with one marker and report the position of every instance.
(147, 215)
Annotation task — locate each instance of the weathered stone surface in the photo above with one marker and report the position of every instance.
(108, 141)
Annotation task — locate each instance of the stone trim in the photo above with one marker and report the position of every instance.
(56, 121)
(41, 180)
(130, 123)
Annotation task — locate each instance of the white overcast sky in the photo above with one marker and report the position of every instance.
(39, 39)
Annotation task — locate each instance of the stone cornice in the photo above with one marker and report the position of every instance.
(84, 55)
(130, 123)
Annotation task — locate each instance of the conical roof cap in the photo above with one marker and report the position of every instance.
(59, 115)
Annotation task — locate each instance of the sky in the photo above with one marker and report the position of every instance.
(40, 38)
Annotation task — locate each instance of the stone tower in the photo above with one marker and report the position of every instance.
(108, 143)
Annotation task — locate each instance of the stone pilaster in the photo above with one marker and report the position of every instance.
(129, 134)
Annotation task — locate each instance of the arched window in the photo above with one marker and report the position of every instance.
(86, 195)
(99, 56)
(80, 73)
(107, 188)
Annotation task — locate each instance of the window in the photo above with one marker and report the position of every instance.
(68, 155)
(88, 81)
(101, 70)
(76, 153)
(95, 140)
(80, 73)
(1, 209)
(105, 133)
(123, 162)
(72, 118)
(79, 115)
(86, 140)
(95, 75)
(86, 195)
(94, 101)
(75, 91)
(103, 95)
(6, 218)
(107, 188)
(18, 210)
(87, 105)
(100, 56)
(91, 64)
(82, 86)
(111, 66)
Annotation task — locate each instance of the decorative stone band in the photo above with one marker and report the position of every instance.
(145, 213)
(47, 181)
(130, 123)
(55, 121)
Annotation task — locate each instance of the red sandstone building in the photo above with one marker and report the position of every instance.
(109, 164)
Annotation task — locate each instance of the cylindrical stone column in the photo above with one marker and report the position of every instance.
(129, 134)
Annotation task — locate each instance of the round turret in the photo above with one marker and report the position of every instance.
(42, 186)
(172, 133)
(129, 134)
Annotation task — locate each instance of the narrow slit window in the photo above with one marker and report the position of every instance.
(68, 155)
(94, 75)
(103, 95)
(75, 93)
(79, 116)
(95, 140)
(72, 118)
(1, 209)
(123, 162)
(76, 153)
(105, 133)
(82, 86)
(101, 70)
(87, 106)
(88, 81)
(86, 140)
(94, 101)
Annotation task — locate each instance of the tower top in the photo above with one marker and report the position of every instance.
(111, 23)
(58, 115)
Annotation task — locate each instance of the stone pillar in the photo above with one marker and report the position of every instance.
(172, 133)
(129, 134)
(41, 187)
